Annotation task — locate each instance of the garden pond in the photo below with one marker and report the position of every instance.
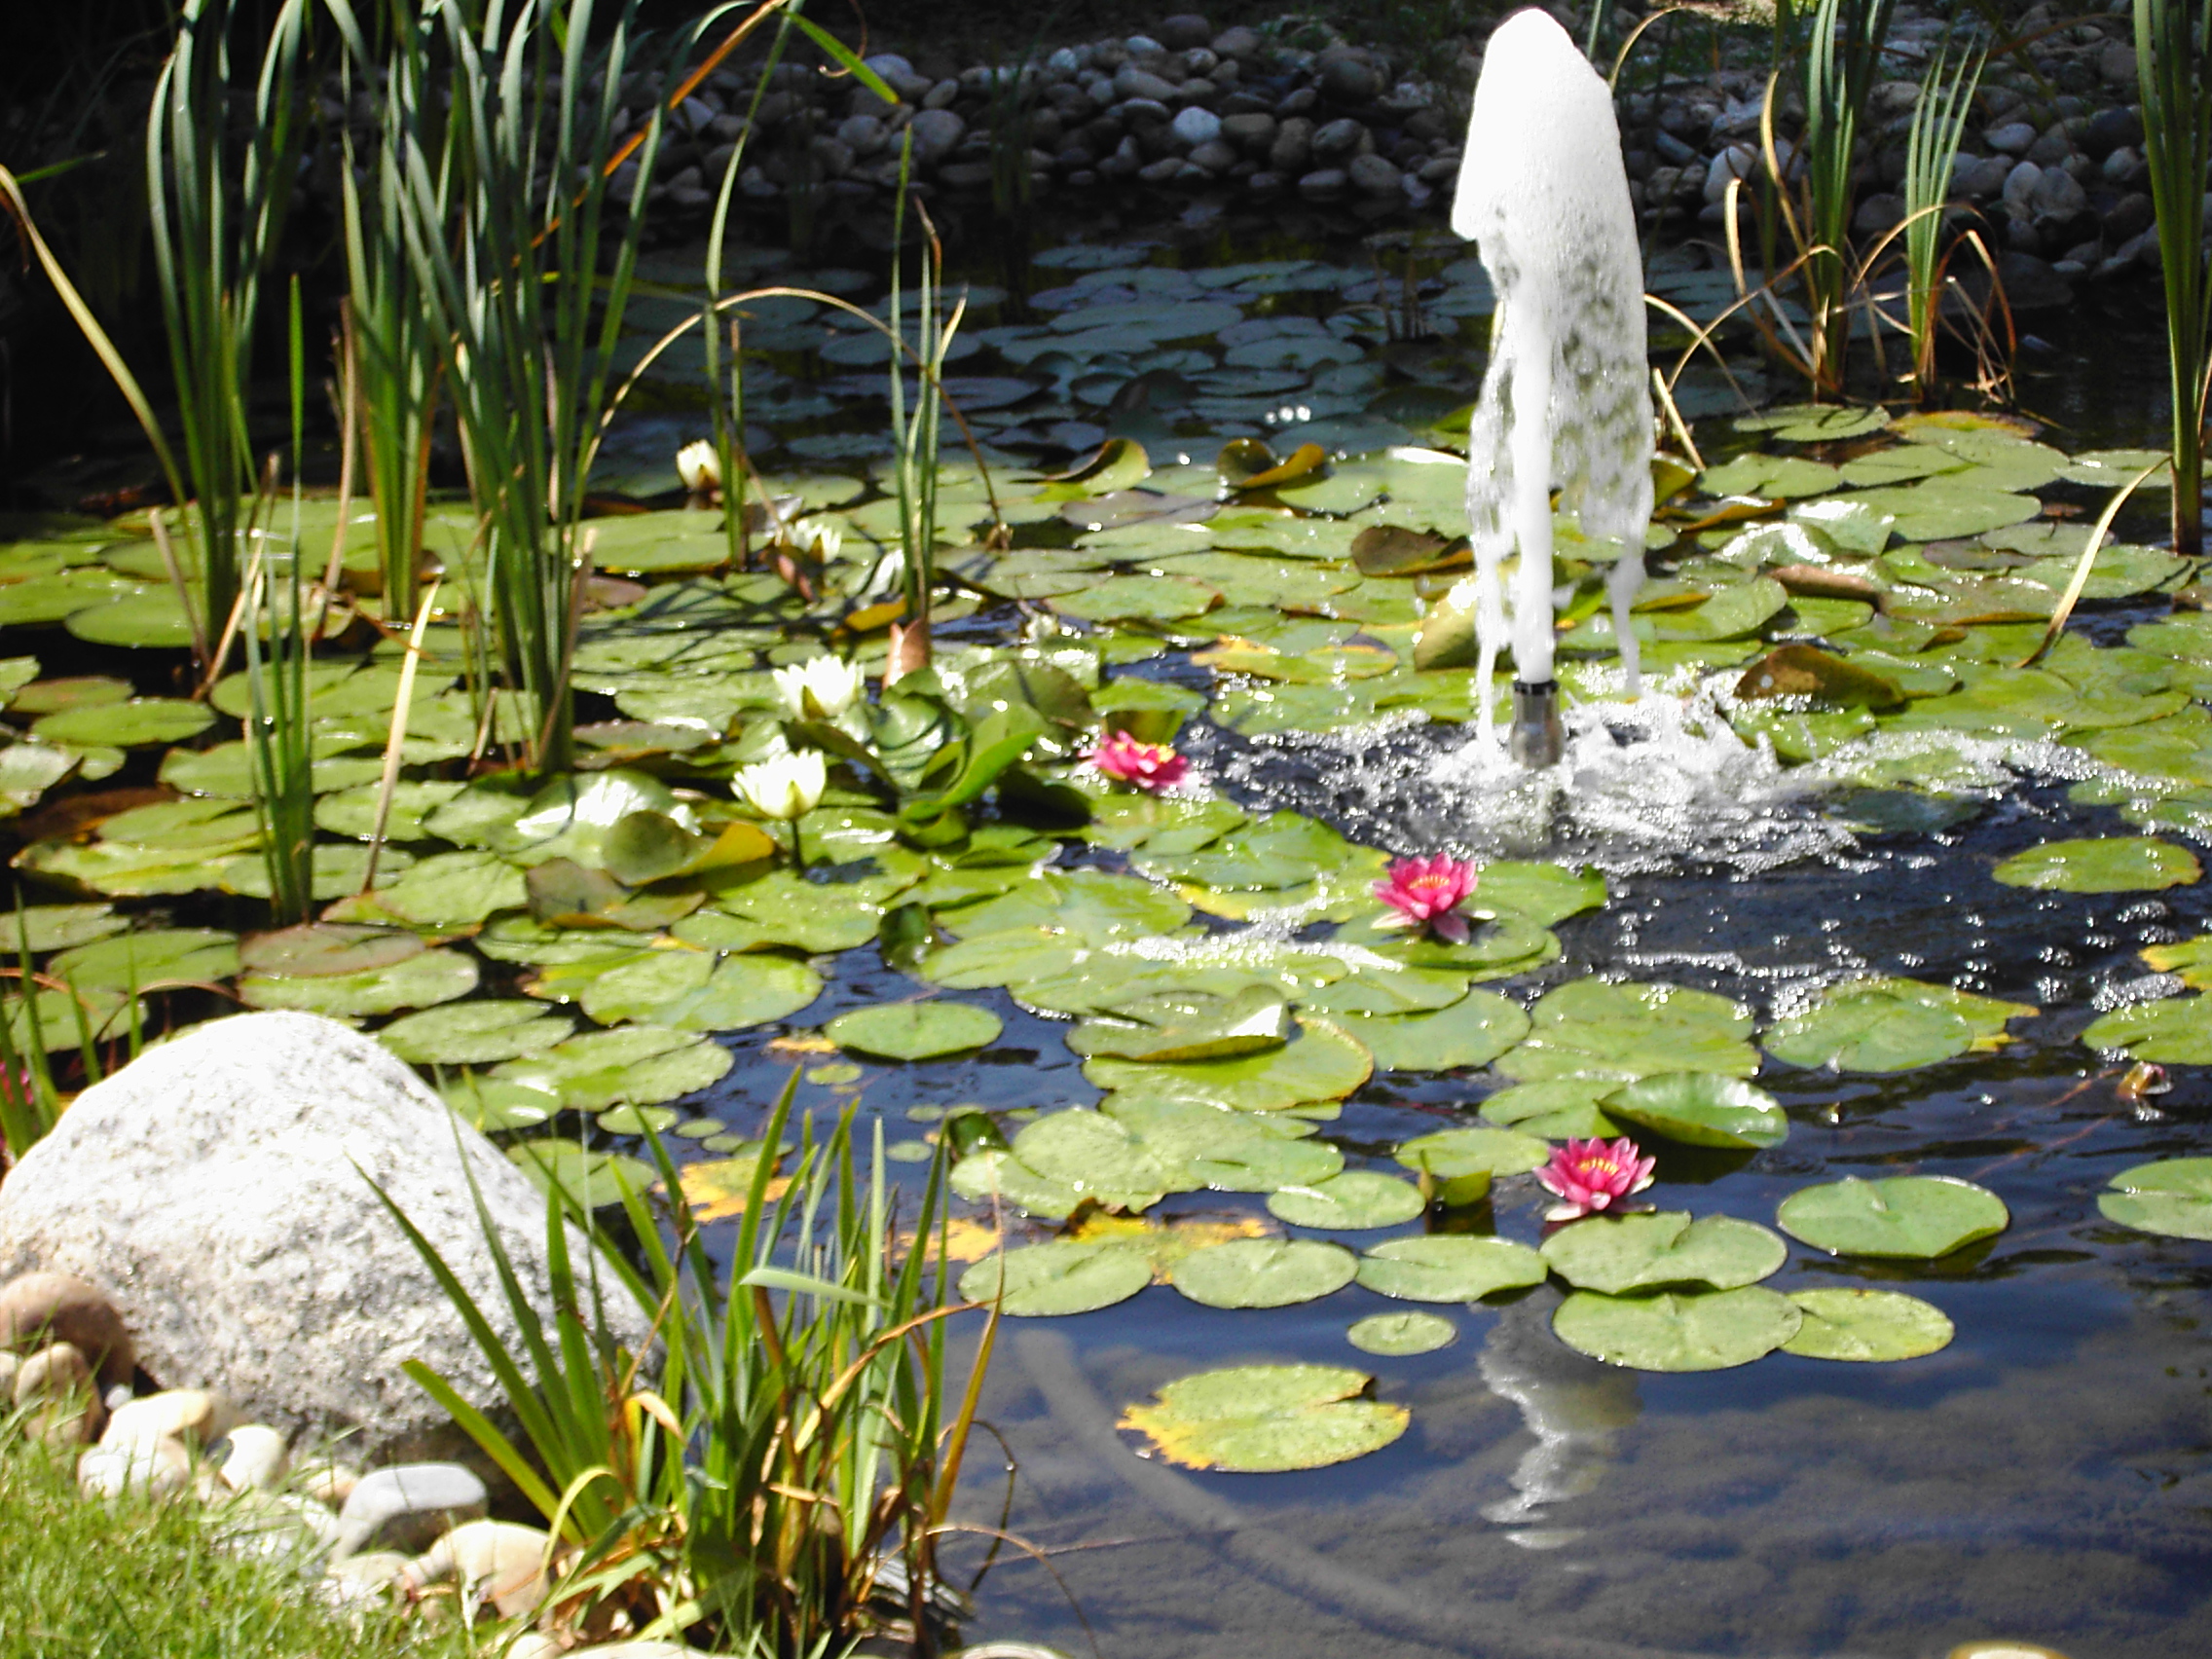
(1871, 923)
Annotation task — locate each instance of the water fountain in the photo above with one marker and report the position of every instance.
(1543, 195)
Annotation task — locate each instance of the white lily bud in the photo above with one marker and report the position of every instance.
(819, 539)
(820, 689)
(699, 466)
(787, 788)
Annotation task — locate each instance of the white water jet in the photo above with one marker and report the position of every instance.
(1544, 196)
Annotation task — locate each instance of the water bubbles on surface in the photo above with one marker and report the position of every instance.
(2126, 993)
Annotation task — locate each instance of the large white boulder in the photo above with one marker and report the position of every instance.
(217, 1188)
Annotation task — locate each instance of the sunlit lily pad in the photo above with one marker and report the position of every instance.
(1557, 1108)
(134, 725)
(993, 1175)
(327, 948)
(140, 961)
(2172, 1197)
(418, 981)
(1321, 1063)
(56, 927)
(639, 1065)
(1915, 1217)
(1263, 1273)
(476, 1033)
(2103, 863)
(1146, 599)
(1192, 1026)
(699, 990)
(453, 890)
(1700, 1109)
(1451, 1152)
(1400, 1335)
(1063, 1276)
(915, 1031)
(1472, 1032)
(1887, 1025)
(1449, 1266)
(1866, 1326)
(1353, 1201)
(1266, 1419)
(206, 826)
(1709, 1330)
(1197, 1145)
(1595, 1028)
(1620, 1254)
(492, 1104)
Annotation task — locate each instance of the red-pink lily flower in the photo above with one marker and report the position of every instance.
(1589, 1176)
(1151, 766)
(1428, 893)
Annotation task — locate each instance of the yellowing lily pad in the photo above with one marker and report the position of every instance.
(1266, 1419)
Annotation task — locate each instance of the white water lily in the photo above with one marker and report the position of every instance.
(699, 466)
(786, 787)
(819, 539)
(820, 689)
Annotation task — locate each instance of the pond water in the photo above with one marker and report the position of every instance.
(2046, 1475)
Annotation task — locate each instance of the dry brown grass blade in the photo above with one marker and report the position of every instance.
(397, 738)
(2080, 578)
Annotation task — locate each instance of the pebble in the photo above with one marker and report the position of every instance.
(1252, 134)
(159, 1467)
(2012, 139)
(1185, 31)
(1196, 126)
(1372, 176)
(37, 1308)
(329, 1482)
(253, 1456)
(1339, 140)
(58, 1382)
(2021, 184)
(279, 1525)
(1130, 82)
(1348, 79)
(495, 1562)
(937, 134)
(408, 1506)
(1293, 146)
(1323, 184)
(176, 1414)
(2058, 197)
(534, 1645)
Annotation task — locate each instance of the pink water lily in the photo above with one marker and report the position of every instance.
(1590, 1175)
(1427, 893)
(1149, 767)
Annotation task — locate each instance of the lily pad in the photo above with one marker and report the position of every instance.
(1449, 1266)
(1558, 1109)
(638, 1065)
(1595, 1028)
(134, 725)
(418, 981)
(1888, 1025)
(1868, 1326)
(915, 1031)
(2103, 863)
(1401, 1334)
(1321, 1064)
(475, 1033)
(699, 990)
(492, 1104)
(1353, 1201)
(140, 960)
(1709, 1330)
(1192, 1026)
(1700, 1109)
(1619, 1254)
(1266, 1419)
(592, 1179)
(1453, 1153)
(1263, 1273)
(994, 1176)
(1063, 1276)
(2172, 1197)
(316, 948)
(56, 927)
(1915, 1217)
(1090, 1152)
(1472, 1032)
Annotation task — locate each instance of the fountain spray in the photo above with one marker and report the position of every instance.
(1544, 196)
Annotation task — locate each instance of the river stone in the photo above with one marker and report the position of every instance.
(494, 1562)
(252, 1457)
(197, 1414)
(409, 1506)
(38, 1308)
(216, 1190)
(1323, 184)
(58, 1381)
(156, 1466)
(1196, 126)
(937, 134)
(2010, 139)
(1338, 139)
(1347, 79)
(1372, 176)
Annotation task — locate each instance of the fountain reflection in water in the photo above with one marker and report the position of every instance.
(1543, 194)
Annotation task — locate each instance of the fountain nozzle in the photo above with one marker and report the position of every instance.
(1537, 737)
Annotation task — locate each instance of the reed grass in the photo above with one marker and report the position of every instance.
(1842, 60)
(2173, 52)
(1931, 148)
(916, 435)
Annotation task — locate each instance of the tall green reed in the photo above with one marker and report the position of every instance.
(31, 1100)
(915, 473)
(1842, 60)
(2173, 52)
(1931, 148)
(218, 193)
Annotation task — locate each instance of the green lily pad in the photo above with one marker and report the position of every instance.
(1263, 1273)
(1194, 1026)
(638, 1119)
(1401, 1334)
(199, 824)
(1709, 1330)
(1090, 1152)
(1321, 1064)
(1063, 1276)
(1472, 1032)
(1394, 990)
(1888, 1025)
(1231, 1151)
(2103, 863)
(2172, 1197)
(422, 980)
(1815, 423)
(56, 927)
(134, 725)
(1351, 1203)
(2176, 1030)
(79, 691)
(453, 890)
(1916, 1217)
(475, 1033)
(492, 1105)
(592, 1179)
(1594, 1028)
(1139, 599)
(133, 962)
(1558, 1109)
(151, 617)
(637, 1065)
(1453, 1153)
(993, 1176)
(1618, 1254)
(1866, 1326)
(336, 871)
(351, 809)
(915, 1031)
(1449, 1266)
(1266, 1419)
(117, 867)
(1700, 1109)
(698, 990)
(327, 948)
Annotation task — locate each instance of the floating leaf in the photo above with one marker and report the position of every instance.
(1702, 1331)
(1263, 1273)
(1700, 1109)
(1187, 1027)
(1472, 1032)
(1594, 1028)
(1558, 1109)
(994, 1176)
(1887, 1025)
(1321, 1064)
(475, 1033)
(1351, 1203)
(2176, 1030)
(1392, 990)
(56, 927)
(2172, 1197)
(1806, 670)
(1618, 1254)
(132, 725)
(1090, 1153)
(315, 948)
(699, 990)
(915, 1031)
(492, 1104)
(1142, 599)
(1919, 1217)
(1449, 1266)
(591, 1179)
(453, 890)
(1231, 1152)
(1063, 1276)
(1266, 1419)
(1453, 1153)
(639, 1065)
(2102, 864)
(1401, 1334)
(421, 981)
(138, 961)
(1866, 1326)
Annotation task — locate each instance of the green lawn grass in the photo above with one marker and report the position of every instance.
(143, 1579)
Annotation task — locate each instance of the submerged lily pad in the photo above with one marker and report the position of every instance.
(1868, 1326)
(1263, 1273)
(2172, 1197)
(915, 1031)
(1709, 1330)
(1888, 1025)
(1619, 1254)
(1063, 1276)
(1449, 1266)
(1266, 1419)
(2103, 863)
(1700, 1109)
(1917, 1217)
(1350, 1202)
(1400, 1335)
